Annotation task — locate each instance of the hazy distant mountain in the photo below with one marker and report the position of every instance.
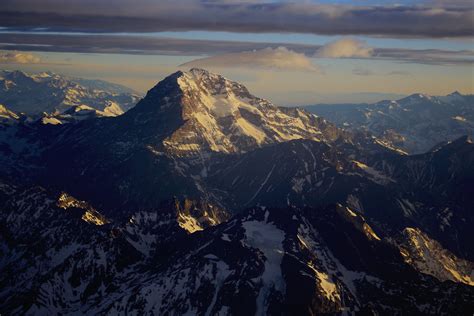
(415, 123)
(204, 199)
(55, 94)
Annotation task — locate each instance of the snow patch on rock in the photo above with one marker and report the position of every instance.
(267, 238)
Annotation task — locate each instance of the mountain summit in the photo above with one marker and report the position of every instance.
(221, 115)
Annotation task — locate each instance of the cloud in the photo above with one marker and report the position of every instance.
(449, 3)
(399, 73)
(362, 72)
(136, 44)
(345, 48)
(368, 72)
(418, 20)
(427, 56)
(280, 58)
(14, 57)
(147, 45)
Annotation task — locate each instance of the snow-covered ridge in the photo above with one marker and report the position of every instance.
(428, 256)
(222, 116)
(415, 123)
(54, 94)
(268, 239)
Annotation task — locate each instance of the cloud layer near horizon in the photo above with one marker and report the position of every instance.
(444, 20)
(14, 57)
(280, 58)
(117, 44)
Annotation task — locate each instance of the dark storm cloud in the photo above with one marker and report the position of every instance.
(153, 16)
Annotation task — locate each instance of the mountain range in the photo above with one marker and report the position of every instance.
(415, 124)
(204, 199)
(55, 98)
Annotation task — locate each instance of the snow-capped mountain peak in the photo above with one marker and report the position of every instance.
(213, 83)
(221, 115)
(415, 98)
(456, 93)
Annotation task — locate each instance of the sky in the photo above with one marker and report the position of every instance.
(290, 52)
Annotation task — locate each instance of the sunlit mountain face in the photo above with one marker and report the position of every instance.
(236, 158)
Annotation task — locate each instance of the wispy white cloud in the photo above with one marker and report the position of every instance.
(15, 57)
(280, 58)
(345, 48)
(368, 72)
